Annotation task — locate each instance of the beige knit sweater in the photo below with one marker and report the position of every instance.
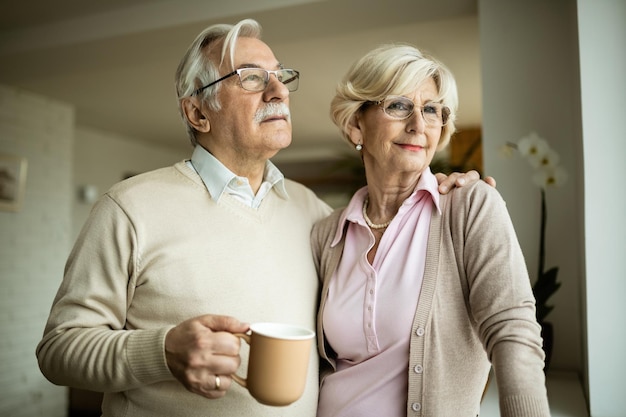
(157, 250)
(476, 306)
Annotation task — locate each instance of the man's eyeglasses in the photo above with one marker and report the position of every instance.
(256, 79)
(400, 108)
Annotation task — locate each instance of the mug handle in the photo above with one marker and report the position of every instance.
(241, 381)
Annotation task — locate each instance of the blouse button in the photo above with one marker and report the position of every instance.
(419, 331)
(416, 406)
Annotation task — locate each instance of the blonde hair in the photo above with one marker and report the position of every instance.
(196, 69)
(392, 69)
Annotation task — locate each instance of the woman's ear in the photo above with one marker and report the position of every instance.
(194, 114)
(354, 130)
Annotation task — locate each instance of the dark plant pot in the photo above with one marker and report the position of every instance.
(547, 333)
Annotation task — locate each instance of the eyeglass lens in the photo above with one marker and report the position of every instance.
(434, 114)
(256, 79)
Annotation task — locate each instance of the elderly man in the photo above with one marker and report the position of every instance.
(167, 259)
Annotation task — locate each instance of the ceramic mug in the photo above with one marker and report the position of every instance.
(278, 362)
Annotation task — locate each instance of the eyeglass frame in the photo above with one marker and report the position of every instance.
(238, 73)
(445, 110)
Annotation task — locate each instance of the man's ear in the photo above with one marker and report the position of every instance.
(354, 130)
(195, 115)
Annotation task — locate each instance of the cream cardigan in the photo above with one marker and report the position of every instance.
(476, 309)
(157, 250)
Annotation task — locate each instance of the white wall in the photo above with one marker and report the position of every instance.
(34, 243)
(530, 83)
(558, 67)
(102, 159)
(602, 33)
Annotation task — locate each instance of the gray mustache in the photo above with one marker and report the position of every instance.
(272, 110)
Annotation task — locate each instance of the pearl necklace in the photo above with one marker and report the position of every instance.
(367, 219)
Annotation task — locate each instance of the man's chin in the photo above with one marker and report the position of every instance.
(275, 142)
(283, 143)
(281, 136)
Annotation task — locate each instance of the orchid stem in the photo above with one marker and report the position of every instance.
(542, 233)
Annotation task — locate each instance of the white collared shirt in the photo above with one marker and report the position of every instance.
(219, 180)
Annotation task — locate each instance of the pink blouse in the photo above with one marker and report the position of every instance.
(368, 316)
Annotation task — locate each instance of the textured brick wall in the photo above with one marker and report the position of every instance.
(34, 243)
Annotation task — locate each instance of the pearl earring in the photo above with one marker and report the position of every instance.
(358, 147)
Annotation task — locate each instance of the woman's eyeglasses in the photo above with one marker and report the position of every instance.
(400, 108)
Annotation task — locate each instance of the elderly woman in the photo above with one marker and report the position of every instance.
(421, 293)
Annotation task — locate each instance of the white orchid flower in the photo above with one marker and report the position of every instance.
(547, 173)
(549, 159)
(550, 176)
(506, 151)
(533, 148)
(540, 156)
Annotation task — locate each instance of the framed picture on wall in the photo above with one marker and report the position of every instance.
(12, 182)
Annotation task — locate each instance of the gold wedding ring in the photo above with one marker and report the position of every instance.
(218, 383)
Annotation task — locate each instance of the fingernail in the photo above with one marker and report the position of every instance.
(461, 181)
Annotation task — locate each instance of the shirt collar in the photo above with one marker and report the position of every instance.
(427, 184)
(217, 177)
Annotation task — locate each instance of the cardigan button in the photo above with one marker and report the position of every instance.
(418, 369)
(416, 406)
(419, 331)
